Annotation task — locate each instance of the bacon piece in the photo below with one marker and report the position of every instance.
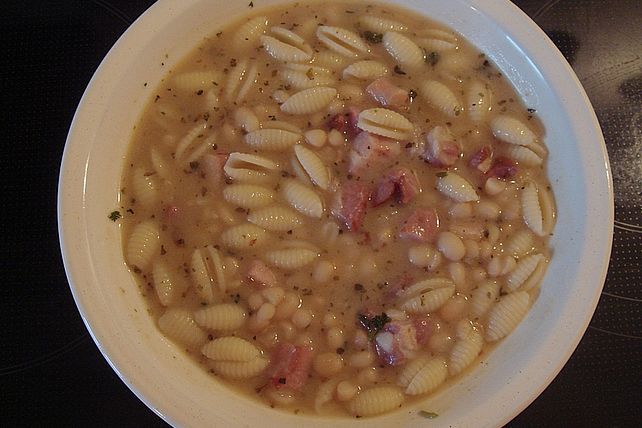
(424, 327)
(370, 150)
(212, 166)
(290, 366)
(392, 291)
(259, 275)
(482, 159)
(346, 123)
(387, 94)
(442, 150)
(422, 225)
(396, 342)
(350, 204)
(502, 168)
(401, 181)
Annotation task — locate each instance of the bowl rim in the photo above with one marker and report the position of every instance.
(517, 25)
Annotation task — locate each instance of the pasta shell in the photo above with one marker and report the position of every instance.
(527, 274)
(366, 70)
(342, 41)
(249, 168)
(302, 198)
(438, 42)
(513, 131)
(272, 139)
(464, 352)
(224, 316)
(168, 285)
(246, 119)
(374, 401)
(146, 188)
(250, 32)
(240, 80)
(478, 101)
(309, 100)
(143, 245)
(325, 393)
(248, 195)
(423, 375)
(207, 272)
(330, 60)
(427, 295)
(191, 141)
(377, 24)
(520, 243)
(403, 50)
(162, 165)
(290, 258)
(506, 314)
(444, 35)
(179, 325)
(537, 209)
(524, 156)
(239, 369)
(385, 122)
(483, 297)
(230, 348)
(244, 237)
(313, 166)
(440, 97)
(279, 124)
(197, 80)
(456, 188)
(286, 46)
(275, 218)
(304, 76)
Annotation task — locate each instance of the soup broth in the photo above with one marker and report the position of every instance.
(337, 207)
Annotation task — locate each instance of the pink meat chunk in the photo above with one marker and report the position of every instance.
(260, 275)
(482, 159)
(400, 181)
(422, 225)
(387, 94)
(442, 150)
(290, 366)
(346, 123)
(350, 204)
(424, 328)
(396, 342)
(212, 165)
(502, 168)
(371, 150)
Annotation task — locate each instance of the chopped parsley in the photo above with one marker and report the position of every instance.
(115, 215)
(427, 415)
(441, 174)
(432, 58)
(373, 325)
(372, 37)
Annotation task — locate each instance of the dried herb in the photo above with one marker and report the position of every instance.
(373, 325)
(427, 415)
(432, 58)
(441, 174)
(115, 215)
(372, 37)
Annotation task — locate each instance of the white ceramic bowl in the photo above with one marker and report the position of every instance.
(176, 388)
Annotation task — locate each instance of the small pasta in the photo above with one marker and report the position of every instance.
(240, 80)
(483, 297)
(374, 401)
(457, 188)
(513, 131)
(465, 350)
(290, 258)
(223, 316)
(286, 46)
(366, 70)
(441, 97)
(506, 314)
(380, 25)
(403, 50)
(342, 41)
(527, 273)
(239, 369)
(478, 101)
(143, 244)
(197, 80)
(146, 188)
(520, 243)
(248, 195)
(427, 296)
(207, 272)
(302, 198)
(249, 168)
(272, 139)
(313, 166)
(309, 100)
(424, 375)
(244, 236)
(275, 218)
(250, 32)
(180, 326)
(385, 122)
(230, 348)
(168, 285)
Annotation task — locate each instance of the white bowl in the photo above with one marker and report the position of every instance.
(176, 388)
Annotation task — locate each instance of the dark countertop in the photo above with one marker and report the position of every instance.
(51, 373)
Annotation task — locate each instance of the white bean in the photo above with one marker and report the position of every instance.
(335, 337)
(361, 359)
(451, 246)
(301, 318)
(327, 364)
(273, 294)
(316, 137)
(346, 390)
(288, 305)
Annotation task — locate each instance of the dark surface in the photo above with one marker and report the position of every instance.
(51, 373)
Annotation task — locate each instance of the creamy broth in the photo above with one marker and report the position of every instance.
(336, 208)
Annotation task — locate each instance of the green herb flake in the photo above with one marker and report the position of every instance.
(115, 215)
(442, 174)
(427, 415)
(372, 37)
(432, 58)
(374, 324)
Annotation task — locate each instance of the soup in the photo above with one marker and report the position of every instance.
(337, 207)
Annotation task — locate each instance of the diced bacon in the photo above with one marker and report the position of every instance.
(482, 159)
(370, 150)
(442, 150)
(346, 123)
(396, 342)
(260, 275)
(401, 181)
(502, 168)
(350, 204)
(424, 327)
(212, 166)
(422, 225)
(394, 289)
(387, 94)
(290, 366)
